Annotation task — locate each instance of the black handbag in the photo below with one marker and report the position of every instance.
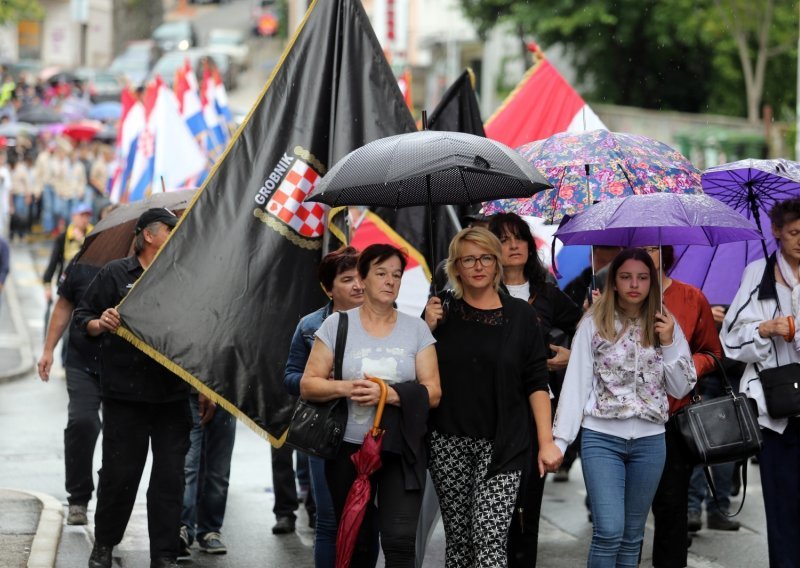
(317, 428)
(720, 430)
(782, 390)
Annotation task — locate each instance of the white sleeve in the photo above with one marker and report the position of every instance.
(739, 335)
(577, 386)
(679, 371)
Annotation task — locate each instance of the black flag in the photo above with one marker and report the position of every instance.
(221, 301)
(458, 111)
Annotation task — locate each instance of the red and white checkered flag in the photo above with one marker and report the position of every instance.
(307, 219)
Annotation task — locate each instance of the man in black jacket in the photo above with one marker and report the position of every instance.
(144, 405)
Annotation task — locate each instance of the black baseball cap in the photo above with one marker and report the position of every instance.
(154, 214)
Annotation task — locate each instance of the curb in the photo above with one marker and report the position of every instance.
(48, 532)
(26, 353)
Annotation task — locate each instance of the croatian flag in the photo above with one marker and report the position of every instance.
(144, 153)
(221, 99)
(130, 124)
(189, 100)
(178, 157)
(217, 132)
(542, 104)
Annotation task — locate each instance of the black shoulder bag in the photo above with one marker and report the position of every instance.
(720, 430)
(317, 428)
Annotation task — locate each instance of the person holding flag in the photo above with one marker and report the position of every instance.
(144, 405)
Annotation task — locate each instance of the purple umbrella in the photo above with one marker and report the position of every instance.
(752, 187)
(658, 219)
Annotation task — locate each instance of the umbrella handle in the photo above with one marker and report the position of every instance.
(376, 430)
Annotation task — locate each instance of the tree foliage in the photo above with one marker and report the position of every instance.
(688, 55)
(16, 10)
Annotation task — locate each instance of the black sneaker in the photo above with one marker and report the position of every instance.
(693, 521)
(77, 515)
(164, 563)
(284, 525)
(101, 556)
(211, 543)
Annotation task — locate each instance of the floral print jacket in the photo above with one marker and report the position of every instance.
(621, 380)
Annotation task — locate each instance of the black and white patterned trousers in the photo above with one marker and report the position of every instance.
(476, 512)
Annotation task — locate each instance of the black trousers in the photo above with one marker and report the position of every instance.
(779, 462)
(283, 483)
(128, 429)
(395, 518)
(671, 503)
(523, 535)
(80, 435)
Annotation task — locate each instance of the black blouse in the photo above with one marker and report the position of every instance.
(518, 365)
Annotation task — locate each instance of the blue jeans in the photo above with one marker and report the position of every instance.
(325, 533)
(620, 472)
(207, 469)
(722, 475)
(48, 209)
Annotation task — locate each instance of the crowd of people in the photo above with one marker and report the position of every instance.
(503, 379)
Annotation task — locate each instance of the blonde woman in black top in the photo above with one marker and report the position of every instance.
(493, 376)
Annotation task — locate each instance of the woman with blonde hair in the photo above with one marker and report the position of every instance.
(492, 365)
(627, 356)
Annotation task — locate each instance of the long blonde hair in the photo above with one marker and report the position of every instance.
(480, 237)
(605, 311)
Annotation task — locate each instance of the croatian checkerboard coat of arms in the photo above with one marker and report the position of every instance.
(280, 199)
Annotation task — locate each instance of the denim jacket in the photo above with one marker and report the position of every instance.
(300, 349)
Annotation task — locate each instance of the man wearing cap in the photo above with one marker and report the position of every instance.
(144, 404)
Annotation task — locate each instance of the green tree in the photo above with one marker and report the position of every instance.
(15, 10)
(665, 54)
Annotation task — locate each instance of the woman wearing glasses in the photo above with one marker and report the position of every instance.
(492, 365)
(525, 277)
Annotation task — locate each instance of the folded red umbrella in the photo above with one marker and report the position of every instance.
(367, 461)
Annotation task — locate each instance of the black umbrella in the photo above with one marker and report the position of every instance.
(428, 168)
(39, 115)
(112, 237)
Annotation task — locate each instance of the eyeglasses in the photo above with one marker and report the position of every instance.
(486, 260)
(650, 249)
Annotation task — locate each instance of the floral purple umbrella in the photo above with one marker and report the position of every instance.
(752, 187)
(587, 167)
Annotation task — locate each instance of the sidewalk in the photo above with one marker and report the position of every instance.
(30, 522)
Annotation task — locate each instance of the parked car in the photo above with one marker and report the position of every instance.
(179, 34)
(232, 43)
(264, 17)
(136, 61)
(103, 85)
(169, 64)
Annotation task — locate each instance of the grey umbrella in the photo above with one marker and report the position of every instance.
(428, 168)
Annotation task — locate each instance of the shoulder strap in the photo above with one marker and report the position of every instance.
(338, 351)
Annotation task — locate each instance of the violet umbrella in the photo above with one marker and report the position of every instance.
(658, 219)
(752, 187)
(587, 167)
(367, 460)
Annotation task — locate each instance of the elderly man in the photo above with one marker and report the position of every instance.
(144, 405)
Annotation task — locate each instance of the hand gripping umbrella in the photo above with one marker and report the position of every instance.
(367, 461)
(587, 167)
(658, 219)
(753, 188)
(428, 168)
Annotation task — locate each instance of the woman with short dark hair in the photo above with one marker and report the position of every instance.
(397, 348)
